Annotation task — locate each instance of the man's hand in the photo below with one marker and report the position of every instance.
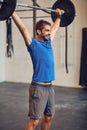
(59, 12)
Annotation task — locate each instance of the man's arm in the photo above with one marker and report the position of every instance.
(56, 24)
(24, 31)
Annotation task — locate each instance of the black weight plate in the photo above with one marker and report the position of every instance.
(69, 14)
(7, 8)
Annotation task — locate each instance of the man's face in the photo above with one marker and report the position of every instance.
(45, 32)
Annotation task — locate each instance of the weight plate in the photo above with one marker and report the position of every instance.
(69, 14)
(7, 8)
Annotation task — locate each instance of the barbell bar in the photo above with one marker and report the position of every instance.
(7, 7)
(40, 8)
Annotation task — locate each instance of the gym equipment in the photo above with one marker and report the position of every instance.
(10, 49)
(68, 10)
(69, 14)
(7, 7)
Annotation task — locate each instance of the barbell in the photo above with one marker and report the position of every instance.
(7, 7)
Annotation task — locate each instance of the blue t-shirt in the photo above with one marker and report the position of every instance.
(43, 60)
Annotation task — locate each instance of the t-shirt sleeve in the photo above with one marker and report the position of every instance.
(29, 47)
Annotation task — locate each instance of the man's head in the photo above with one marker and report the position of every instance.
(43, 29)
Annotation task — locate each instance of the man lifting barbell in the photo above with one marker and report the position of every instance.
(41, 92)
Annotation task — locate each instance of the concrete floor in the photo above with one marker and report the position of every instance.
(71, 107)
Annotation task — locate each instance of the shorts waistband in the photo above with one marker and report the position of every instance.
(42, 85)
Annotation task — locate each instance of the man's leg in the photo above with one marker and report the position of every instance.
(46, 123)
(49, 110)
(32, 124)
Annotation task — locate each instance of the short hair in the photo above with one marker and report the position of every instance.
(40, 24)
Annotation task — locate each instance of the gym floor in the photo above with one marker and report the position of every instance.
(71, 107)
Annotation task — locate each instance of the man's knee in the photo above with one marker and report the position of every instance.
(48, 118)
(34, 122)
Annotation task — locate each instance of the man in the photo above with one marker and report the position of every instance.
(41, 92)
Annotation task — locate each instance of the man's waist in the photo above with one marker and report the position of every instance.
(42, 84)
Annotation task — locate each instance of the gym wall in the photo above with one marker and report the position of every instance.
(18, 68)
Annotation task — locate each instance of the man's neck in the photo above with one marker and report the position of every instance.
(40, 39)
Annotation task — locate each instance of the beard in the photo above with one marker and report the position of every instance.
(45, 38)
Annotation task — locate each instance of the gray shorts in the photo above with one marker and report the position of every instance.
(41, 100)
